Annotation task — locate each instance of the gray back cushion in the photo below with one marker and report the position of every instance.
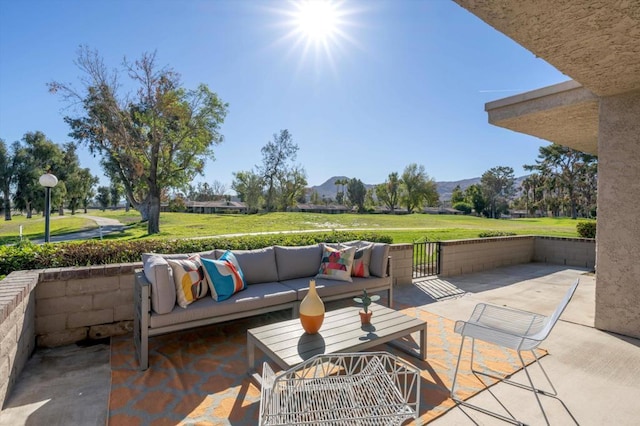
(258, 266)
(160, 275)
(298, 262)
(379, 255)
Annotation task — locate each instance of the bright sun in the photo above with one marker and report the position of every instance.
(317, 20)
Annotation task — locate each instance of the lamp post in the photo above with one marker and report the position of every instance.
(48, 181)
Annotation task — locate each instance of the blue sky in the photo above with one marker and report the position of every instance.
(403, 81)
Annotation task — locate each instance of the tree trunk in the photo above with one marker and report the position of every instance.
(29, 215)
(7, 205)
(61, 210)
(153, 226)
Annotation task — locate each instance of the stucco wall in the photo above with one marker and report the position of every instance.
(618, 249)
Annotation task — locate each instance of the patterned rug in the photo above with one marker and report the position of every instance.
(199, 377)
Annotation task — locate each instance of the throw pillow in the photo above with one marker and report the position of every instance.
(361, 261)
(188, 276)
(224, 276)
(336, 263)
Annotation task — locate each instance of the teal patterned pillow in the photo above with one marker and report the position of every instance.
(224, 276)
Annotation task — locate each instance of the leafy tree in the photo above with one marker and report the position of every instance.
(457, 196)
(276, 155)
(475, 197)
(116, 191)
(7, 171)
(340, 183)
(356, 191)
(463, 207)
(104, 197)
(79, 186)
(158, 139)
(315, 197)
(498, 187)
(388, 193)
(417, 188)
(569, 177)
(248, 186)
(33, 157)
(291, 187)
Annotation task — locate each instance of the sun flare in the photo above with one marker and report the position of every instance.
(317, 20)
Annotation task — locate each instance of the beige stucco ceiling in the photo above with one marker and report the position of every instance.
(595, 42)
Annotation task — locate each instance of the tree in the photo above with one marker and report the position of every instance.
(417, 188)
(567, 174)
(276, 155)
(33, 157)
(473, 195)
(154, 140)
(388, 192)
(116, 190)
(291, 187)
(79, 187)
(314, 198)
(7, 170)
(104, 197)
(356, 191)
(497, 187)
(457, 196)
(248, 186)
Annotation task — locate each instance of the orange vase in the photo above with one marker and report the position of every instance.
(311, 310)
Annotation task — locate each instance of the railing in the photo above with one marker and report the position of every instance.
(426, 259)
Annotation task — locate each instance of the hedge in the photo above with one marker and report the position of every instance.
(586, 229)
(27, 255)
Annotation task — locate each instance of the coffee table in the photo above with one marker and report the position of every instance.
(287, 344)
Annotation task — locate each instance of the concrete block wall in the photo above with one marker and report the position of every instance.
(17, 326)
(74, 304)
(466, 256)
(566, 251)
(402, 261)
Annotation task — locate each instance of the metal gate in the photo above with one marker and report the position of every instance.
(426, 259)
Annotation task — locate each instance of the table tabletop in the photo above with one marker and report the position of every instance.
(287, 344)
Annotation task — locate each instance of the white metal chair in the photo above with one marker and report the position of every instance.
(363, 389)
(510, 328)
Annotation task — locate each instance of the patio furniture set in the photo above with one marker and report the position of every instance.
(326, 377)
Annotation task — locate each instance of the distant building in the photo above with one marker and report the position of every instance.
(211, 207)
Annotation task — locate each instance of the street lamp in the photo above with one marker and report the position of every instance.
(48, 181)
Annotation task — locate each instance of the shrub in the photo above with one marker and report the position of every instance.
(466, 208)
(586, 229)
(489, 234)
(93, 252)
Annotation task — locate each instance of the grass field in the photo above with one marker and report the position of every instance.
(403, 229)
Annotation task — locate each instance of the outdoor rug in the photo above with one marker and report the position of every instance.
(199, 377)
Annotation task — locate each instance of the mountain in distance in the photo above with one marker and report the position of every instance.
(328, 189)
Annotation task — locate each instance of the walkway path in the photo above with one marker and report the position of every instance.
(105, 226)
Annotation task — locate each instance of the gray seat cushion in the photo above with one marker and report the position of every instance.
(253, 297)
(333, 288)
(298, 262)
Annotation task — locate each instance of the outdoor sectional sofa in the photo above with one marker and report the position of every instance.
(277, 278)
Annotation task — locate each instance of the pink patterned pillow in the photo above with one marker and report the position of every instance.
(336, 264)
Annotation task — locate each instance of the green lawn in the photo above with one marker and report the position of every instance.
(406, 228)
(34, 228)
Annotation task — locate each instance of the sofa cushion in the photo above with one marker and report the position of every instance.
(224, 276)
(252, 299)
(160, 275)
(338, 289)
(258, 266)
(189, 279)
(379, 256)
(336, 263)
(297, 262)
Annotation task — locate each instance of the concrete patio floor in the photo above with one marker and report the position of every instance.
(597, 374)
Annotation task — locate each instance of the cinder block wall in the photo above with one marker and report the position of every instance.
(74, 304)
(17, 326)
(566, 251)
(402, 259)
(467, 256)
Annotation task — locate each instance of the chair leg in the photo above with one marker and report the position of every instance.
(533, 388)
(455, 374)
